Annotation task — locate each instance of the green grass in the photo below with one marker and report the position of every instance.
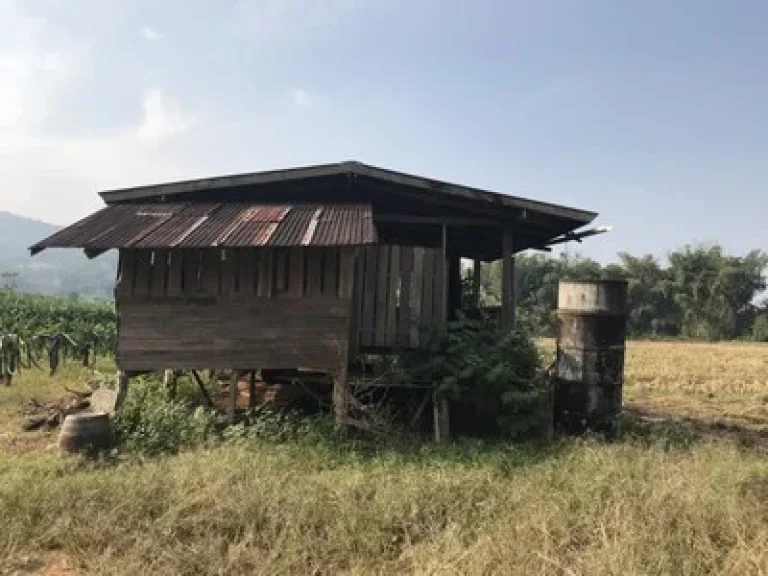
(666, 499)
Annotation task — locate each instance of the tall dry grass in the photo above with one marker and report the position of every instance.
(584, 508)
(661, 502)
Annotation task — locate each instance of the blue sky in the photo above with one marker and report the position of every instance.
(651, 112)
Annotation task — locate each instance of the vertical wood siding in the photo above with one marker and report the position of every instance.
(401, 294)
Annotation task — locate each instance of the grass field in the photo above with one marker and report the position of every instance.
(684, 494)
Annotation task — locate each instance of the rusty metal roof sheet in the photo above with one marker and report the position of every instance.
(227, 225)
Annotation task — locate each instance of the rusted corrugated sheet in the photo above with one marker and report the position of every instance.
(339, 224)
(199, 225)
(293, 227)
(254, 227)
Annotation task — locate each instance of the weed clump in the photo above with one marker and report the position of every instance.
(495, 380)
(149, 424)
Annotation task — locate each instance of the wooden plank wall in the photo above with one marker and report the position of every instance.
(242, 273)
(243, 309)
(401, 292)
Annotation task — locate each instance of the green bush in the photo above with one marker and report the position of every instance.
(494, 379)
(149, 424)
(760, 328)
(265, 423)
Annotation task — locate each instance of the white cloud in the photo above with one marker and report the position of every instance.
(54, 176)
(34, 67)
(163, 117)
(150, 34)
(302, 98)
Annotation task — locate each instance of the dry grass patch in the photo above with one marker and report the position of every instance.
(664, 502)
(720, 385)
(38, 385)
(724, 383)
(583, 508)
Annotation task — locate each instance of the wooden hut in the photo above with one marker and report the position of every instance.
(303, 267)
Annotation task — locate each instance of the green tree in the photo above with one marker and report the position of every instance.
(652, 310)
(715, 292)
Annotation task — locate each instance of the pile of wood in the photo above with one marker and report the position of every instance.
(50, 415)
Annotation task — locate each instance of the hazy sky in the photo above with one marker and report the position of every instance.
(651, 112)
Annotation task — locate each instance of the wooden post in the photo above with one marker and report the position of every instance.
(340, 393)
(170, 382)
(440, 404)
(441, 416)
(206, 397)
(252, 390)
(454, 284)
(476, 284)
(232, 404)
(508, 282)
(122, 388)
(442, 271)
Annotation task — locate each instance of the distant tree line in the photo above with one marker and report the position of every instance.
(702, 293)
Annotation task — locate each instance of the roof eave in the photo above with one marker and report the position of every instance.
(353, 168)
(220, 182)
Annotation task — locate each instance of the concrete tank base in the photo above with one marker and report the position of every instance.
(589, 371)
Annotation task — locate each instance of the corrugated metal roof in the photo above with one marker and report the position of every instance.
(485, 198)
(228, 225)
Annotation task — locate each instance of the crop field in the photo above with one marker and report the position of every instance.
(685, 491)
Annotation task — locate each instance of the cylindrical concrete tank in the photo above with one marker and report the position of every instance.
(589, 373)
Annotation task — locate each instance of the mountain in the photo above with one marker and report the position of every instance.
(56, 272)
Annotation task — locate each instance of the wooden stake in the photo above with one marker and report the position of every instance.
(206, 397)
(232, 405)
(340, 395)
(252, 390)
(170, 381)
(122, 388)
(441, 417)
(420, 409)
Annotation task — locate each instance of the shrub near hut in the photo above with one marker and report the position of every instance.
(495, 381)
(149, 424)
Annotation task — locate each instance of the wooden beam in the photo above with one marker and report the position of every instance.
(390, 339)
(404, 316)
(454, 284)
(508, 282)
(467, 206)
(127, 273)
(123, 380)
(476, 284)
(420, 410)
(206, 397)
(252, 390)
(382, 284)
(232, 404)
(433, 220)
(340, 394)
(443, 275)
(441, 417)
(416, 296)
(170, 383)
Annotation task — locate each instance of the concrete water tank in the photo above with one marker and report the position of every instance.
(589, 373)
